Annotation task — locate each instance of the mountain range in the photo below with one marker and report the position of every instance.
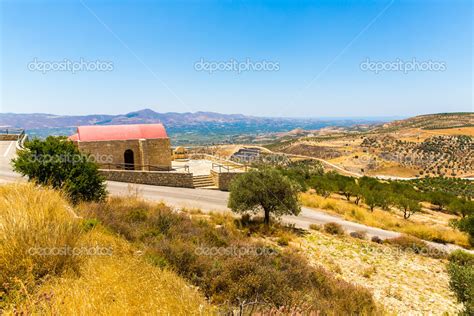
(170, 119)
(183, 127)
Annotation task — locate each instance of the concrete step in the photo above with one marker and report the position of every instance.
(203, 181)
(204, 176)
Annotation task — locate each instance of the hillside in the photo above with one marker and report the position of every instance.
(434, 145)
(433, 121)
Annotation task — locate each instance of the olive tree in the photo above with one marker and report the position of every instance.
(264, 190)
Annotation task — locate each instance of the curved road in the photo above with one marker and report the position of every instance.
(206, 200)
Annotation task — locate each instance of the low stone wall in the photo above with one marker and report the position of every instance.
(170, 179)
(9, 137)
(222, 179)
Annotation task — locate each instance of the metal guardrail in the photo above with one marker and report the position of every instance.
(12, 131)
(228, 168)
(139, 167)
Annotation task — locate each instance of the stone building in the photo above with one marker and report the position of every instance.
(129, 147)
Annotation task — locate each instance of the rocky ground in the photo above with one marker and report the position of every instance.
(404, 283)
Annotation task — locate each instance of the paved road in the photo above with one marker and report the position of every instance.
(206, 200)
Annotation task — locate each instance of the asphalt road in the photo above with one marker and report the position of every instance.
(206, 200)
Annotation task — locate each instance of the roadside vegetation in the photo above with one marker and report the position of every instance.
(56, 264)
(57, 162)
(236, 264)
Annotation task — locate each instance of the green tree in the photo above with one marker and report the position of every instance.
(56, 161)
(466, 224)
(440, 199)
(370, 199)
(323, 185)
(266, 190)
(302, 171)
(461, 207)
(356, 192)
(407, 206)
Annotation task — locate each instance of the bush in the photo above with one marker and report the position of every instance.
(416, 245)
(466, 224)
(217, 260)
(333, 228)
(461, 272)
(56, 161)
(376, 239)
(406, 242)
(359, 234)
(315, 227)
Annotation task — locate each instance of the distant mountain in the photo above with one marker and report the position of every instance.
(42, 120)
(170, 119)
(183, 128)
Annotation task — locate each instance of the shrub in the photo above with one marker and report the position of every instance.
(359, 234)
(315, 227)
(406, 242)
(416, 245)
(58, 162)
(214, 258)
(376, 239)
(333, 228)
(466, 224)
(461, 272)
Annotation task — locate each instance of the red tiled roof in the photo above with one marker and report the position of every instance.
(119, 132)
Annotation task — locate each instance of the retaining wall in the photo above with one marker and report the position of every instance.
(222, 179)
(170, 179)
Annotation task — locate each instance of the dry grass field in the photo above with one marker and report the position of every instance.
(76, 268)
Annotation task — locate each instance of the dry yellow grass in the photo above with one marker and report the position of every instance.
(33, 219)
(386, 220)
(120, 286)
(115, 280)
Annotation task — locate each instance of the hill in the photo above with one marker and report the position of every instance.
(425, 145)
(433, 122)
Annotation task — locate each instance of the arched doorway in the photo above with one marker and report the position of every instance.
(128, 159)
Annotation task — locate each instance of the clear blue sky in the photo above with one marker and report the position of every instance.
(318, 45)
